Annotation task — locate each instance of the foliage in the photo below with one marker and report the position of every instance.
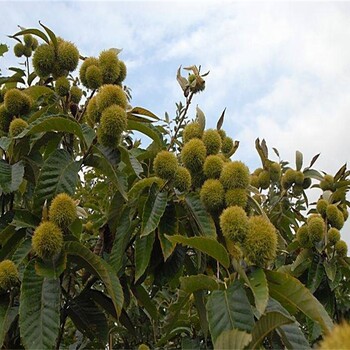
(105, 242)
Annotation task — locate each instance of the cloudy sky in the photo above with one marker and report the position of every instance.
(282, 70)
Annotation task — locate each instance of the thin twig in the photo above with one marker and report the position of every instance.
(85, 106)
(182, 118)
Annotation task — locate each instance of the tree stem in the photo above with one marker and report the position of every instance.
(182, 118)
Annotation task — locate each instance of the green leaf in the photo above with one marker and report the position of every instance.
(199, 301)
(191, 284)
(104, 163)
(168, 225)
(291, 334)
(5, 143)
(315, 275)
(266, 324)
(181, 80)
(153, 210)
(22, 251)
(13, 240)
(221, 120)
(24, 218)
(142, 111)
(54, 123)
(3, 49)
(51, 35)
(232, 339)
(37, 92)
(97, 266)
(89, 134)
(146, 302)
(130, 161)
(313, 174)
(198, 213)
(298, 160)
(143, 250)
(88, 318)
(206, 245)
(200, 118)
(7, 316)
(11, 176)
(331, 269)
(39, 311)
(294, 296)
(58, 174)
(121, 241)
(147, 129)
(229, 309)
(258, 285)
(140, 186)
(304, 257)
(36, 32)
(51, 269)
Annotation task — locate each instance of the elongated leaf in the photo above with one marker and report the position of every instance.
(22, 251)
(298, 160)
(303, 257)
(229, 309)
(36, 92)
(293, 337)
(5, 143)
(58, 174)
(88, 318)
(165, 271)
(51, 34)
(315, 275)
(7, 316)
(313, 160)
(39, 312)
(221, 120)
(89, 134)
(54, 123)
(206, 245)
(291, 334)
(200, 118)
(153, 210)
(99, 268)
(168, 225)
(313, 174)
(105, 164)
(293, 295)
(147, 129)
(11, 176)
(36, 32)
(121, 240)
(198, 213)
(143, 250)
(181, 80)
(131, 161)
(143, 111)
(191, 284)
(266, 324)
(3, 49)
(145, 301)
(331, 269)
(258, 285)
(12, 242)
(24, 218)
(232, 339)
(140, 186)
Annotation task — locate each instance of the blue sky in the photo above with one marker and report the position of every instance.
(282, 70)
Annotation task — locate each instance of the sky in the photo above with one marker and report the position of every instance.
(281, 69)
